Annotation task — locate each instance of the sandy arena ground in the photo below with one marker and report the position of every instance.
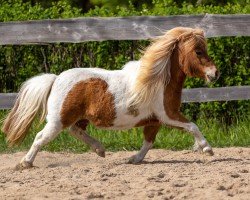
(163, 175)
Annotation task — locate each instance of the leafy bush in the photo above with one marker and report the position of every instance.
(17, 63)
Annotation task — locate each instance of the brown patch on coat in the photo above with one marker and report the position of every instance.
(132, 110)
(82, 124)
(151, 121)
(173, 91)
(150, 132)
(89, 100)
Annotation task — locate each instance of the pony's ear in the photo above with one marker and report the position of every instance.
(199, 31)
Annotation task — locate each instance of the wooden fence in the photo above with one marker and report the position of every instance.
(128, 28)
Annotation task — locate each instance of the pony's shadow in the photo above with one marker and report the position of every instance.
(226, 160)
(189, 161)
(198, 161)
(59, 164)
(171, 162)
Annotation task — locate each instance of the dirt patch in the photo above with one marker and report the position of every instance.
(163, 175)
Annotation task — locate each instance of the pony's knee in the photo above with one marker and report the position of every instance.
(192, 127)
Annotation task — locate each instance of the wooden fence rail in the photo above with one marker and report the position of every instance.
(118, 28)
(188, 95)
(128, 28)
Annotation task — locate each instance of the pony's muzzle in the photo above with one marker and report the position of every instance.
(215, 77)
(212, 76)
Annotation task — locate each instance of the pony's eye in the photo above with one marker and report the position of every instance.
(198, 53)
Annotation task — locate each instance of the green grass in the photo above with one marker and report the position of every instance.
(217, 133)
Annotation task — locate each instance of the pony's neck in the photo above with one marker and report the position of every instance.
(177, 75)
(172, 92)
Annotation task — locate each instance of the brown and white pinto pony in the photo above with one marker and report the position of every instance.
(144, 93)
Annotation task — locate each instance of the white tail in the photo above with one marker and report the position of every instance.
(31, 99)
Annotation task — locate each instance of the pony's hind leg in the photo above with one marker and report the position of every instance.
(78, 130)
(47, 134)
(149, 137)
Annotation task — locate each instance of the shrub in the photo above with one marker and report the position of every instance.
(17, 63)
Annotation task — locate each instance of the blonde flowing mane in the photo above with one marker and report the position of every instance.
(154, 71)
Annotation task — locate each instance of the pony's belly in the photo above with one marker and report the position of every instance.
(127, 121)
(117, 124)
(124, 121)
(122, 127)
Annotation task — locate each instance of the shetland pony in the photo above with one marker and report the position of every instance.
(144, 93)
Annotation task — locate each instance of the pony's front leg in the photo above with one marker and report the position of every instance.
(149, 137)
(201, 143)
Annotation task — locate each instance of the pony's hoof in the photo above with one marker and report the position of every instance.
(208, 151)
(23, 165)
(134, 160)
(100, 152)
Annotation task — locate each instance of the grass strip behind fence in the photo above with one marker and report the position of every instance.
(217, 133)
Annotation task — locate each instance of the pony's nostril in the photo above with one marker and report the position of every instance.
(212, 78)
(217, 74)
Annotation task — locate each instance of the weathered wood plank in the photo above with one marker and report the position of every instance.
(77, 30)
(216, 94)
(189, 95)
(7, 100)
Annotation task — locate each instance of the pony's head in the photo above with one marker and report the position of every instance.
(193, 58)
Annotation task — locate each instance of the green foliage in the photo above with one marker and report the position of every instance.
(217, 133)
(18, 63)
(138, 4)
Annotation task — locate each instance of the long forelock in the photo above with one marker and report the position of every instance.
(192, 42)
